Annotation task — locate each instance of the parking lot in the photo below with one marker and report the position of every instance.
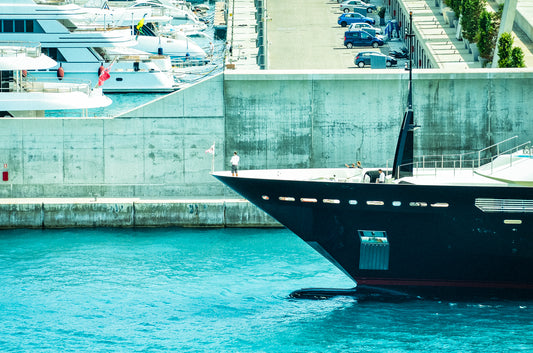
(305, 35)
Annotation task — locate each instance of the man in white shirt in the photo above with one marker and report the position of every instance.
(234, 164)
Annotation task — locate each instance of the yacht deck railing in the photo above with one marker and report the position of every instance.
(470, 160)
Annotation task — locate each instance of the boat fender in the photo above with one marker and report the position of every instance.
(24, 73)
(100, 69)
(60, 72)
(160, 51)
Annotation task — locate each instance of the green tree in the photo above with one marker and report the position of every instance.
(471, 10)
(505, 47)
(517, 57)
(484, 35)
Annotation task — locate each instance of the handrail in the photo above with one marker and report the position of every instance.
(472, 161)
(10, 48)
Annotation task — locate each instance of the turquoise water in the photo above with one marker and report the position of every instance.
(217, 290)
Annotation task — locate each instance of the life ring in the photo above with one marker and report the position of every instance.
(60, 72)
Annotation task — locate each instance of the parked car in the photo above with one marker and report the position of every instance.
(352, 17)
(359, 38)
(364, 26)
(364, 59)
(348, 6)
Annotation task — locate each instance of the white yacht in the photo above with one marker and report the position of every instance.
(21, 95)
(83, 49)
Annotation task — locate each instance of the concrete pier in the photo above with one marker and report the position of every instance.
(128, 213)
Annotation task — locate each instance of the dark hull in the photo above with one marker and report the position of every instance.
(436, 241)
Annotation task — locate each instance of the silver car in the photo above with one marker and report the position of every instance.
(350, 5)
(364, 26)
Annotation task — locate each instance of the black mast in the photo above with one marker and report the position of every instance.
(403, 158)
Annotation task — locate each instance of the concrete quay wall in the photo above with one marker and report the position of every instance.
(128, 213)
(275, 119)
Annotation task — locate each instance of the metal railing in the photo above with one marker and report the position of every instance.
(12, 48)
(469, 160)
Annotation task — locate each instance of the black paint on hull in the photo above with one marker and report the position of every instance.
(433, 251)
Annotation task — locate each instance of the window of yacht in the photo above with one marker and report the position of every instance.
(440, 204)
(396, 203)
(512, 221)
(418, 204)
(7, 26)
(307, 199)
(333, 201)
(265, 197)
(375, 203)
(352, 202)
(19, 26)
(286, 198)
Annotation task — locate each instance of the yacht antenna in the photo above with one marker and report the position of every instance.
(403, 158)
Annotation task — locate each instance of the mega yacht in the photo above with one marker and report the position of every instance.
(21, 95)
(435, 226)
(82, 50)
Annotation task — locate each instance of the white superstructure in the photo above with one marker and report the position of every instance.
(24, 96)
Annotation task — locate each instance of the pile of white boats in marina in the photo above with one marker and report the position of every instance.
(144, 45)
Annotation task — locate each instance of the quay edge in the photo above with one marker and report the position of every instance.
(129, 213)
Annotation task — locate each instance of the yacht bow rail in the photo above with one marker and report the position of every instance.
(472, 160)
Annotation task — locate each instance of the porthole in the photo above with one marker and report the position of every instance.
(512, 221)
(418, 204)
(375, 203)
(396, 203)
(333, 201)
(265, 197)
(286, 198)
(440, 204)
(307, 199)
(352, 202)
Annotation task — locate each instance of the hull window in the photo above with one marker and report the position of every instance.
(512, 221)
(375, 203)
(352, 202)
(265, 197)
(396, 203)
(374, 250)
(418, 204)
(440, 204)
(286, 198)
(305, 199)
(334, 201)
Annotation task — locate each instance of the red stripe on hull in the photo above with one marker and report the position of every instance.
(442, 283)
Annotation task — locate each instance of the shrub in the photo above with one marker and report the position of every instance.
(471, 10)
(484, 35)
(517, 57)
(505, 45)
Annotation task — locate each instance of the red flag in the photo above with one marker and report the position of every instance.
(104, 76)
(211, 149)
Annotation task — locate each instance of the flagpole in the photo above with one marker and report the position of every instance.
(213, 160)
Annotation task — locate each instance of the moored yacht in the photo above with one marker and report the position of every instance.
(82, 50)
(21, 95)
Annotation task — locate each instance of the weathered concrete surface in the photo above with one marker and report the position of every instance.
(127, 213)
(275, 119)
